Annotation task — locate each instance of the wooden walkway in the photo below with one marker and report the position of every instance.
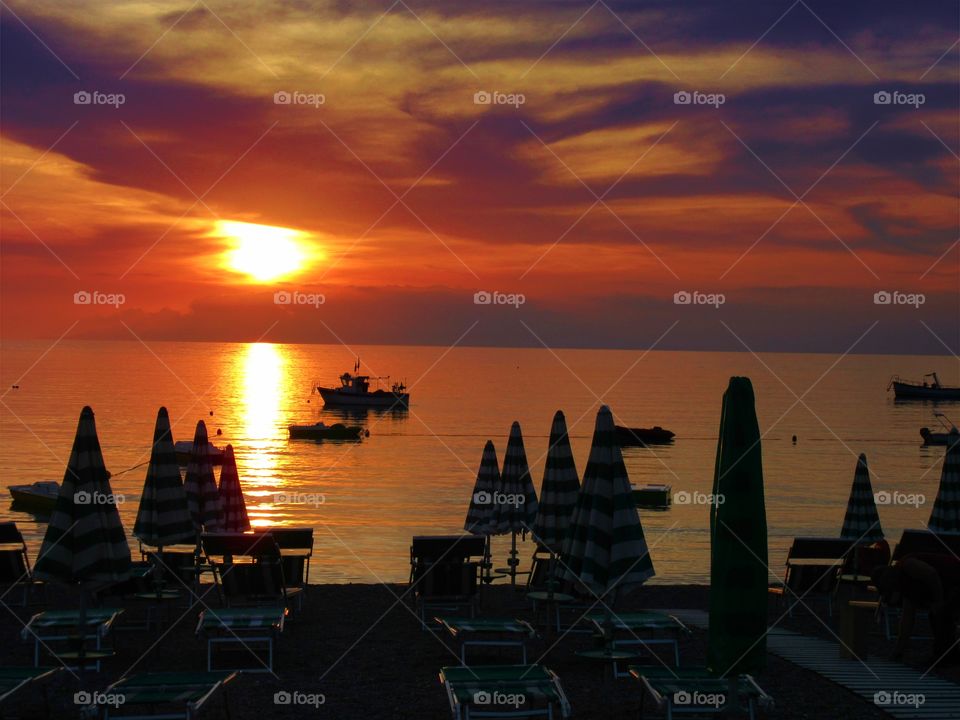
(892, 687)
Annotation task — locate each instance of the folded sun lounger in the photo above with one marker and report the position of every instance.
(642, 628)
(686, 691)
(57, 626)
(180, 694)
(247, 627)
(504, 691)
(13, 679)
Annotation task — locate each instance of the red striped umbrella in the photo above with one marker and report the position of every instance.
(231, 495)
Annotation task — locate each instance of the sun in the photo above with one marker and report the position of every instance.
(263, 252)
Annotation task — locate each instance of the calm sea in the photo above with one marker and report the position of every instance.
(415, 472)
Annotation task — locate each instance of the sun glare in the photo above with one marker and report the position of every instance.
(263, 252)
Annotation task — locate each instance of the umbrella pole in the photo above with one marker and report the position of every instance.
(82, 628)
(513, 559)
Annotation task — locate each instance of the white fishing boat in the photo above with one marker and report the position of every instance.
(355, 392)
(39, 497)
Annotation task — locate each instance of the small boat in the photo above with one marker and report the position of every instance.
(183, 449)
(653, 497)
(39, 497)
(642, 436)
(922, 390)
(354, 391)
(321, 431)
(948, 436)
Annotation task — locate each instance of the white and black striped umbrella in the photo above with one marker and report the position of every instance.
(605, 548)
(85, 542)
(515, 500)
(231, 495)
(945, 517)
(203, 498)
(163, 518)
(481, 502)
(559, 490)
(862, 521)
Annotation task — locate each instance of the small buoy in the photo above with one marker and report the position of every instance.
(211, 413)
(794, 439)
(219, 431)
(15, 387)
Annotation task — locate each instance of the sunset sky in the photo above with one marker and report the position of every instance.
(388, 186)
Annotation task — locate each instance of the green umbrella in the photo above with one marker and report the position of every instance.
(163, 518)
(203, 498)
(559, 490)
(738, 547)
(515, 499)
(862, 521)
(85, 543)
(480, 512)
(945, 517)
(605, 548)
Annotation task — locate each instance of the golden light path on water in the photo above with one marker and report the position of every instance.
(262, 369)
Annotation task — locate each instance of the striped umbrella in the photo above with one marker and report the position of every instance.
(203, 498)
(481, 502)
(862, 521)
(605, 548)
(738, 541)
(945, 517)
(163, 517)
(231, 495)
(85, 542)
(515, 500)
(558, 492)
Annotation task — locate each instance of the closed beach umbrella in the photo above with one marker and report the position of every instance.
(862, 521)
(558, 492)
(203, 498)
(945, 517)
(163, 518)
(738, 547)
(231, 495)
(605, 548)
(480, 512)
(85, 543)
(515, 500)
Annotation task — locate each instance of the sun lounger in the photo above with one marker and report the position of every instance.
(504, 691)
(696, 691)
(179, 694)
(489, 632)
(14, 679)
(248, 569)
(247, 627)
(15, 572)
(57, 626)
(296, 551)
(445, 572)
(643, 628)
(812, 568)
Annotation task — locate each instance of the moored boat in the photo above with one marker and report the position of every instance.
(628, 436)
(39, 497)
(183, 448)
(354, 391)
(922, 389)
(653, 496)
(321, 431)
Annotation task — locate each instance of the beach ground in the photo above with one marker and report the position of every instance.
(362, 649)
